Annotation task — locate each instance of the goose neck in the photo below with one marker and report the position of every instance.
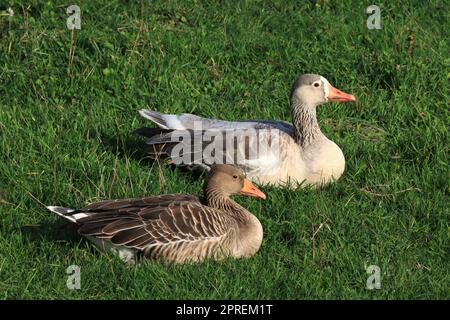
(219, 200)
(306, 127)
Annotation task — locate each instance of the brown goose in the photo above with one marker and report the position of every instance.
(176, 227)
(291, 153)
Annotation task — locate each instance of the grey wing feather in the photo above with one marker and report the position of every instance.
(193, 122)
(257, 150)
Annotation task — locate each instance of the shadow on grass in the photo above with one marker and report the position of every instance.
(56, 231)
(134, 147)
(61, 234)
(130, 147)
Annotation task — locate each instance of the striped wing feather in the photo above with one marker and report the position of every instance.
(175, 231)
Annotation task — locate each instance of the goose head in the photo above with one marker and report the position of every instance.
(313, 90)
(230, 180)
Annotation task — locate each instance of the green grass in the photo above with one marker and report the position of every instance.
(66, 139)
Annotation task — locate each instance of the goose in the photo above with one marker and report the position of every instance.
(175, 228)
(294, 154)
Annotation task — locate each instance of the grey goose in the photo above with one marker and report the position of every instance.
(304, 155)
(175, 228)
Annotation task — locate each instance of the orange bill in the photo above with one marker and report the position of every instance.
(338, 95)
(250, 190)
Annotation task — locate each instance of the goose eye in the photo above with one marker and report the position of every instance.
(316, 84)
(235, 177)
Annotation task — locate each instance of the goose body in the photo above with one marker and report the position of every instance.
(298, 153)
(317, 165)
(175, 228)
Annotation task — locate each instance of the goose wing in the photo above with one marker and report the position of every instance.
(188, 121)
(258, 146)
(259, 151)
(135, 204)
(178, 231)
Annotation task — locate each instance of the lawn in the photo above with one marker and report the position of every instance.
(68, 108)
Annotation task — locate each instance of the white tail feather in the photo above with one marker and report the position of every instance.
(165, 121)
(155, 117)
(64, 212)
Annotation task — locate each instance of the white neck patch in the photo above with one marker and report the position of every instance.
(325, 87)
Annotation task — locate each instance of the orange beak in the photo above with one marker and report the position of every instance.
(250, 190)
(338, 95)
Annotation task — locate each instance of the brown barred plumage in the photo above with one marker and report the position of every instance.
(177, 227)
